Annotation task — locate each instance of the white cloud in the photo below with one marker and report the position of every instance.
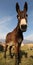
(3, 26)
(5, 19)
(2, 36)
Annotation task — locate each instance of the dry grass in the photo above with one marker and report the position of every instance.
(27, 48)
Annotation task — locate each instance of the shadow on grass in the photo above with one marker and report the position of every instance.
(31, 56)
(1, 48)
(23, 53)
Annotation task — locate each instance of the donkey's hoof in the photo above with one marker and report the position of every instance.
(4, 56)
(19, 61)
(11, 56)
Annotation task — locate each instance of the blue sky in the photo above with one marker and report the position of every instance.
(8, 19)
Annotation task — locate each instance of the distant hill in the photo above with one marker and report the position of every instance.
(27, 41)
(24, 41)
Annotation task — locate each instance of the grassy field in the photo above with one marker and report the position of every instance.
(26, 58)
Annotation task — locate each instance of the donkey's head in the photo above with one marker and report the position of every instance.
(22, 17)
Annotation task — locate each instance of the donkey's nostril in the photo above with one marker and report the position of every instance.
(23, 26)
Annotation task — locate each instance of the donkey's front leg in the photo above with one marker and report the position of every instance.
(17, 56)
(10, 52)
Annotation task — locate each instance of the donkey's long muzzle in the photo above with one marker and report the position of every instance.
(23, 28)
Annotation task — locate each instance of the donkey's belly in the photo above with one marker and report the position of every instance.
(11, 43)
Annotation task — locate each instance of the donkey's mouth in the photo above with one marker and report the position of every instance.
(23, 28)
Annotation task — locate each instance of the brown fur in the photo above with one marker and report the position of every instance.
(14, 35)
(17, 34)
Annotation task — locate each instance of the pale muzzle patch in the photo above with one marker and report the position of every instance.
(23, 22)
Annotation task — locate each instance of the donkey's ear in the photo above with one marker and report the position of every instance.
(17, 7)
(25, 6)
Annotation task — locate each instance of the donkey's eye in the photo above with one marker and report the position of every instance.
(18, 17)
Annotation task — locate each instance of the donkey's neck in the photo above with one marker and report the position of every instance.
(18, 29)
(19, 32)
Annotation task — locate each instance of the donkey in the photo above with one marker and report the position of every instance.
(15, 37)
